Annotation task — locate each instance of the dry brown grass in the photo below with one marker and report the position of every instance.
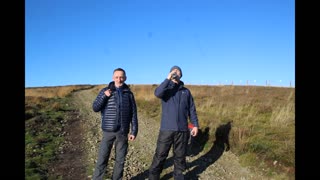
(57, 91)
(263, 117)
(143, 92)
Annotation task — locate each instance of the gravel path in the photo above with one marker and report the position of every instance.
(208, 164)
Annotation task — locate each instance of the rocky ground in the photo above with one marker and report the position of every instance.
(83, 134)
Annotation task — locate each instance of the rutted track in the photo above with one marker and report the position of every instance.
(204, 165)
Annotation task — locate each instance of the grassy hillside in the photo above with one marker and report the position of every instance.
(263, 133)
(45, 118)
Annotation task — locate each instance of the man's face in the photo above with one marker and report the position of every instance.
(119, 78)
(177, 80)
(177, 72)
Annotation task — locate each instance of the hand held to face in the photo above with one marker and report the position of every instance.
(108, 92)
(173, 76)
(170, 75)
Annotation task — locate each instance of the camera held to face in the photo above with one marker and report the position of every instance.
(175, 76)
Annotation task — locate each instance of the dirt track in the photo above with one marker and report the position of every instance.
(84, 135)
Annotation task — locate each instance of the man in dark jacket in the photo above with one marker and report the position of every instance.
(118, 111)
(177, 107)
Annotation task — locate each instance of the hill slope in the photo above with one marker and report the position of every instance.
(83, 140)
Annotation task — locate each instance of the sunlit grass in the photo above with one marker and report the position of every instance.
(263, 118)
(263, 130)
(44, 117)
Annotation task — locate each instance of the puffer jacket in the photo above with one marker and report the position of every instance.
(177, 106)
(112, 118)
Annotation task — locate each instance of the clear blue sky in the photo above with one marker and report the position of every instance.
(70, 42)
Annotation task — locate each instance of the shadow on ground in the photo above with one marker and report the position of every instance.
(199, 165)
(203, 162)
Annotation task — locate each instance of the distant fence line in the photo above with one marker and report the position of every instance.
(249, 83)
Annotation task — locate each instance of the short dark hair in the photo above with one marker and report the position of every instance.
(120, 69)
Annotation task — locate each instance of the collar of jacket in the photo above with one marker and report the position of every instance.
(180, 84)
(113, 87)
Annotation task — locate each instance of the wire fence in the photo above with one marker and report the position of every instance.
(271, 83)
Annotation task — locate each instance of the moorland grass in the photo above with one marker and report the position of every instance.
(262, 135)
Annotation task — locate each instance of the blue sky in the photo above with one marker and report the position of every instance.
(71, 42)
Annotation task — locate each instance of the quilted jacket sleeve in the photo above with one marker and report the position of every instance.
(100, 101)
(134, 125)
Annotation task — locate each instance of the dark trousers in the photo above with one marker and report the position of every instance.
(166, 139)
(121, 149)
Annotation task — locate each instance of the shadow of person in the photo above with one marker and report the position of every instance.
(143, 175)
(198, 142)
(194, 148)
(222, 136)
(202, 163)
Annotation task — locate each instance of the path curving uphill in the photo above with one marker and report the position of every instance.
(205, 165)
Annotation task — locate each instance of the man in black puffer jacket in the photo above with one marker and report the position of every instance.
(177, 107)
(118, 111)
